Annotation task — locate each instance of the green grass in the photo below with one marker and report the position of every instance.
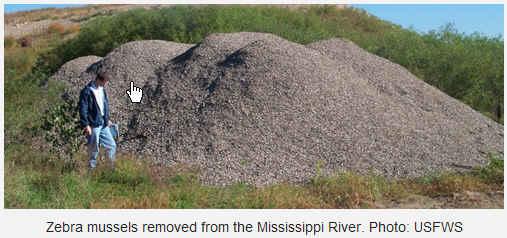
(41, 183)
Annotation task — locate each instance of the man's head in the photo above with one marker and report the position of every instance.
(101, 80)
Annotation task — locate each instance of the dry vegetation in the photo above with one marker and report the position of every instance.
(136, 184)
(76, 14)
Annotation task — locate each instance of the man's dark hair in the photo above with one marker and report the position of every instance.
(97, 70)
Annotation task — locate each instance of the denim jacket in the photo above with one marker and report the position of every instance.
(89, 111)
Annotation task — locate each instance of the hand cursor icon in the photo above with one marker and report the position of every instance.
(135, 93)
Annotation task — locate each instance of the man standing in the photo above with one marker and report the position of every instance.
(94, 119)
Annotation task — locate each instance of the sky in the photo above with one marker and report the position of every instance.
(486, 19)
(10, 8)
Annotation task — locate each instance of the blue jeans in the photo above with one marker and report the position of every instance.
(100, 136)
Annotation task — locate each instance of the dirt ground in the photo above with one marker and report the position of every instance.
(37, 22)
(467, 199)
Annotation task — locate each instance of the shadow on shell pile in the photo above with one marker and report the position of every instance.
(256, 108)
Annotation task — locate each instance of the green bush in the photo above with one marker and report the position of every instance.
(493, 171)
(60, 126)
(466, 67)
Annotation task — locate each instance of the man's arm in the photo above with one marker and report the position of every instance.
(83, 112)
